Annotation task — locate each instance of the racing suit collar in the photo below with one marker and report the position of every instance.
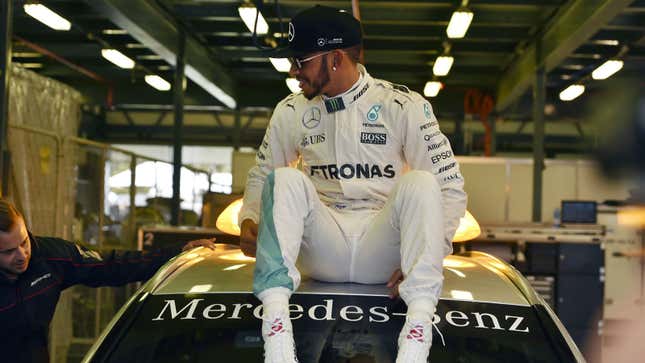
(333, 104)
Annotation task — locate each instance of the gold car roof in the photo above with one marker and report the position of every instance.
(474, 276)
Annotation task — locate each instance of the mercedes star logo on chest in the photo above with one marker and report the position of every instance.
(311, 118)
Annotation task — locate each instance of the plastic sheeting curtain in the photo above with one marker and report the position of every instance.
(42, 180)
(41, 191)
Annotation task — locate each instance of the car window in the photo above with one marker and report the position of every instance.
(328, 328)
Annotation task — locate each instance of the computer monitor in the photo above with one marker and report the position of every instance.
(578, 212)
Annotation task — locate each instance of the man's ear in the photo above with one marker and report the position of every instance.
(338, 58)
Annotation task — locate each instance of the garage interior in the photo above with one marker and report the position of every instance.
(109, 155)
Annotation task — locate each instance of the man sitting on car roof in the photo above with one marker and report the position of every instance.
(35, 270)
(380, 188)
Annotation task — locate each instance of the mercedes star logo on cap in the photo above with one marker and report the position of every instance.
(292, 32)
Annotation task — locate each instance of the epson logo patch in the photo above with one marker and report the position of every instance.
(441, 156)
(373, 138)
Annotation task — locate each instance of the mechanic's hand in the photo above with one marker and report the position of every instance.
(394, 282)
(206, 243)
(248, 237)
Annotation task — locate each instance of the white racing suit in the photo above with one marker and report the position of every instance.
(379, 189)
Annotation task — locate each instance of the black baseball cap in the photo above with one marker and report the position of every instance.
(320, 28)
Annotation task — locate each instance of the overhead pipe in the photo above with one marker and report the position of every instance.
(110, 95)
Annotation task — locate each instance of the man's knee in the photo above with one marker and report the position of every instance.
(419, 182)
(288, 175)
(287, 179)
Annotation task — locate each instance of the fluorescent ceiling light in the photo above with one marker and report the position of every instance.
(294, 85)
(194, 75)
(114, 31)
(607, 69)
(459, 23)
(606, 42)
(156, 46)
(149, 57)
(30, 65)
(157, 82)
(442, 65)
(281, 64)
(44, 15)
(572, 92)
(248, 14)
(117, 58)
(26, 55)
(432, 88)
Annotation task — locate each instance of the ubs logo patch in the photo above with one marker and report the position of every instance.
(311, 118)
(312, 140)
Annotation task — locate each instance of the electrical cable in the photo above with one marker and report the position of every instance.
(259, 6)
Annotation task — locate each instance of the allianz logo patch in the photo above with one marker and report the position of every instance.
(39, 279)
(373, 138)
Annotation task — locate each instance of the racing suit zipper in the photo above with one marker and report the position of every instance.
(352, 246)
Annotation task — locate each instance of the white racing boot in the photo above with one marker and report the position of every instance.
(277, 332)
(415, 340)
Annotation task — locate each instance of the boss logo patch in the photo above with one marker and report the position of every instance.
(373, 138)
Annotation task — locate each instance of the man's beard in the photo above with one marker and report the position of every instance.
(320, 82)
(12, 273)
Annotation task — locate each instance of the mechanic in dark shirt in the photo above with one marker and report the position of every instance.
(34, 271)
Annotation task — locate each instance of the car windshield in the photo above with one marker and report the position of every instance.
(328, 328)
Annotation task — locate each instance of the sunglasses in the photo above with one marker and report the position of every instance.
(298, 61)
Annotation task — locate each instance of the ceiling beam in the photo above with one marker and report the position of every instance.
(574, 23)
(151, 26)
(193, 135)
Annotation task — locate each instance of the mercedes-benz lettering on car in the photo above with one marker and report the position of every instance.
(199, 308)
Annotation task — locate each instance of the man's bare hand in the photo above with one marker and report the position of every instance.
(206, 243)
(248, 237)
(394, 282)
